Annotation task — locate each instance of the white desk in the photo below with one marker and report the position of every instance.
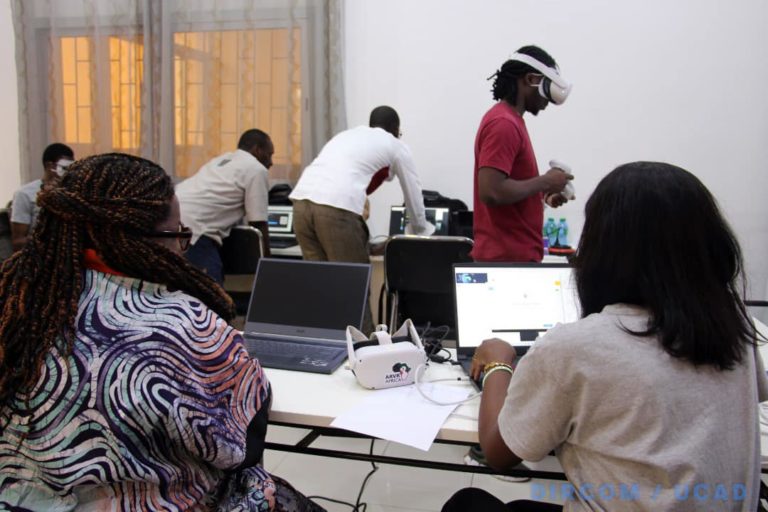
(314, 400)
(293, 251)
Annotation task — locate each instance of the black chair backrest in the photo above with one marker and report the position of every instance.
(461, 224)
(419, 271)
(5, 222)
(424, 264)
(241, 250)
(6, 249)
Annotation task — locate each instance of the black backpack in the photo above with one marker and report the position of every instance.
(434, 199)
(278, 194)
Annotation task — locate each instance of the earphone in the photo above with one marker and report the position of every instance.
(553, 87)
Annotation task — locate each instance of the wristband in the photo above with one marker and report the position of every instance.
(501, 367)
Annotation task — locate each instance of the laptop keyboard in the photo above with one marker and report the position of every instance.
(282, 353)
(282, 243)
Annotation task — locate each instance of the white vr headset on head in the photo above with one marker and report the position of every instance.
(552, 87)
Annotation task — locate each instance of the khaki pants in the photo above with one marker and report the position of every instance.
(326, 233)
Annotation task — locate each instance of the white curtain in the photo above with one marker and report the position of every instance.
(178, 81)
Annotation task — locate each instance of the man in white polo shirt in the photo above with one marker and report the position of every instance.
(226, 190)
(329, 199)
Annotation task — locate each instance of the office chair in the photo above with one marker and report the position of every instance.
(418, 279)
(461, 223)
(6, 249)
(240, 253)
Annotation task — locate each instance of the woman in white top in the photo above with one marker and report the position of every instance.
(650, 400)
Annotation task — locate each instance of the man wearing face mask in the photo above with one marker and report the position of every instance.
(509, 192)
(56, 159)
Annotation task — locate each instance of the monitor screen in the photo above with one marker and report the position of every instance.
(280, 219)
(398, 219)
(514, 302)
(309, 294)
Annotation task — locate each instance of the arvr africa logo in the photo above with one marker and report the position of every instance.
(400, 373)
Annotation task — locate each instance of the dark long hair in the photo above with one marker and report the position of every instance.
(654, 236)
(105, 202)
(505, 78)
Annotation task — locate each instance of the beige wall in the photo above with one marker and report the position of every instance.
(9, 112)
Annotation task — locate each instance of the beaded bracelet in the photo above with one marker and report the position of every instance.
(500, 366)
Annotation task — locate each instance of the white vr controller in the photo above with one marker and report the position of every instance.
(568, 192)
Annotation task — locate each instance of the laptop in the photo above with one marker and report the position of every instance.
(299, 312)
(516, 302)
(398, 219)
(280, 224)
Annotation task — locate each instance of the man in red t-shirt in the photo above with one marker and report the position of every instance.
(509, 193)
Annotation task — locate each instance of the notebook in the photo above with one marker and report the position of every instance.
(299, 312)
(398, 219)
(280, 223)
(516, 302)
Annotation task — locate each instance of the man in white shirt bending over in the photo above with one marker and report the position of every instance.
(226, 190)
(329, 199)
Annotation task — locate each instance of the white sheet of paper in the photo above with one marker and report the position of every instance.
(402, 414)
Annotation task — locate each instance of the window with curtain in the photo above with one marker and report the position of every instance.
(80, 99)
(257, 74)
(178, 81)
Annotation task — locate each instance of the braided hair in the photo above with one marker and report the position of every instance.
(105, 202)
(505, 78)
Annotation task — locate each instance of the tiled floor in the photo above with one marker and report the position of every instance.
(391, 488)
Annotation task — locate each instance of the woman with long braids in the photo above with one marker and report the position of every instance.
(122, 386)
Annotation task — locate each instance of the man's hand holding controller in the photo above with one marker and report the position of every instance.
(562, 189)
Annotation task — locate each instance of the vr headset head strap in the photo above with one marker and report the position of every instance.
(557, 94)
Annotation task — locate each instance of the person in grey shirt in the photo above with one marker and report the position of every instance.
(225, 191)
(56, 158)
(650, 401)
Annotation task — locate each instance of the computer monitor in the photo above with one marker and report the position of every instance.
(398, 219)
(516, 302)
(280, 220)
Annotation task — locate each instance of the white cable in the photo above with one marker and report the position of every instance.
(439, 402)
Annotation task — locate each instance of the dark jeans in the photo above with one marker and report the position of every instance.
(205, 254)
(472, 499)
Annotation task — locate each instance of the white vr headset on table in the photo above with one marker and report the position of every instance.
(383, 360)
(553, 87)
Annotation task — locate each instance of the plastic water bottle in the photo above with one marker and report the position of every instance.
(550, 232)
(562, 233)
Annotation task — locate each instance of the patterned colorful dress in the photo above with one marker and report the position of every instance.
(151, 411)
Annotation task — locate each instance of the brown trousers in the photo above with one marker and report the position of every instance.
(326, 233)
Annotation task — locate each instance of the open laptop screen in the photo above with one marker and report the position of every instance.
(513, 301)
(307, 297)
(398, 219)
(280, 219)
